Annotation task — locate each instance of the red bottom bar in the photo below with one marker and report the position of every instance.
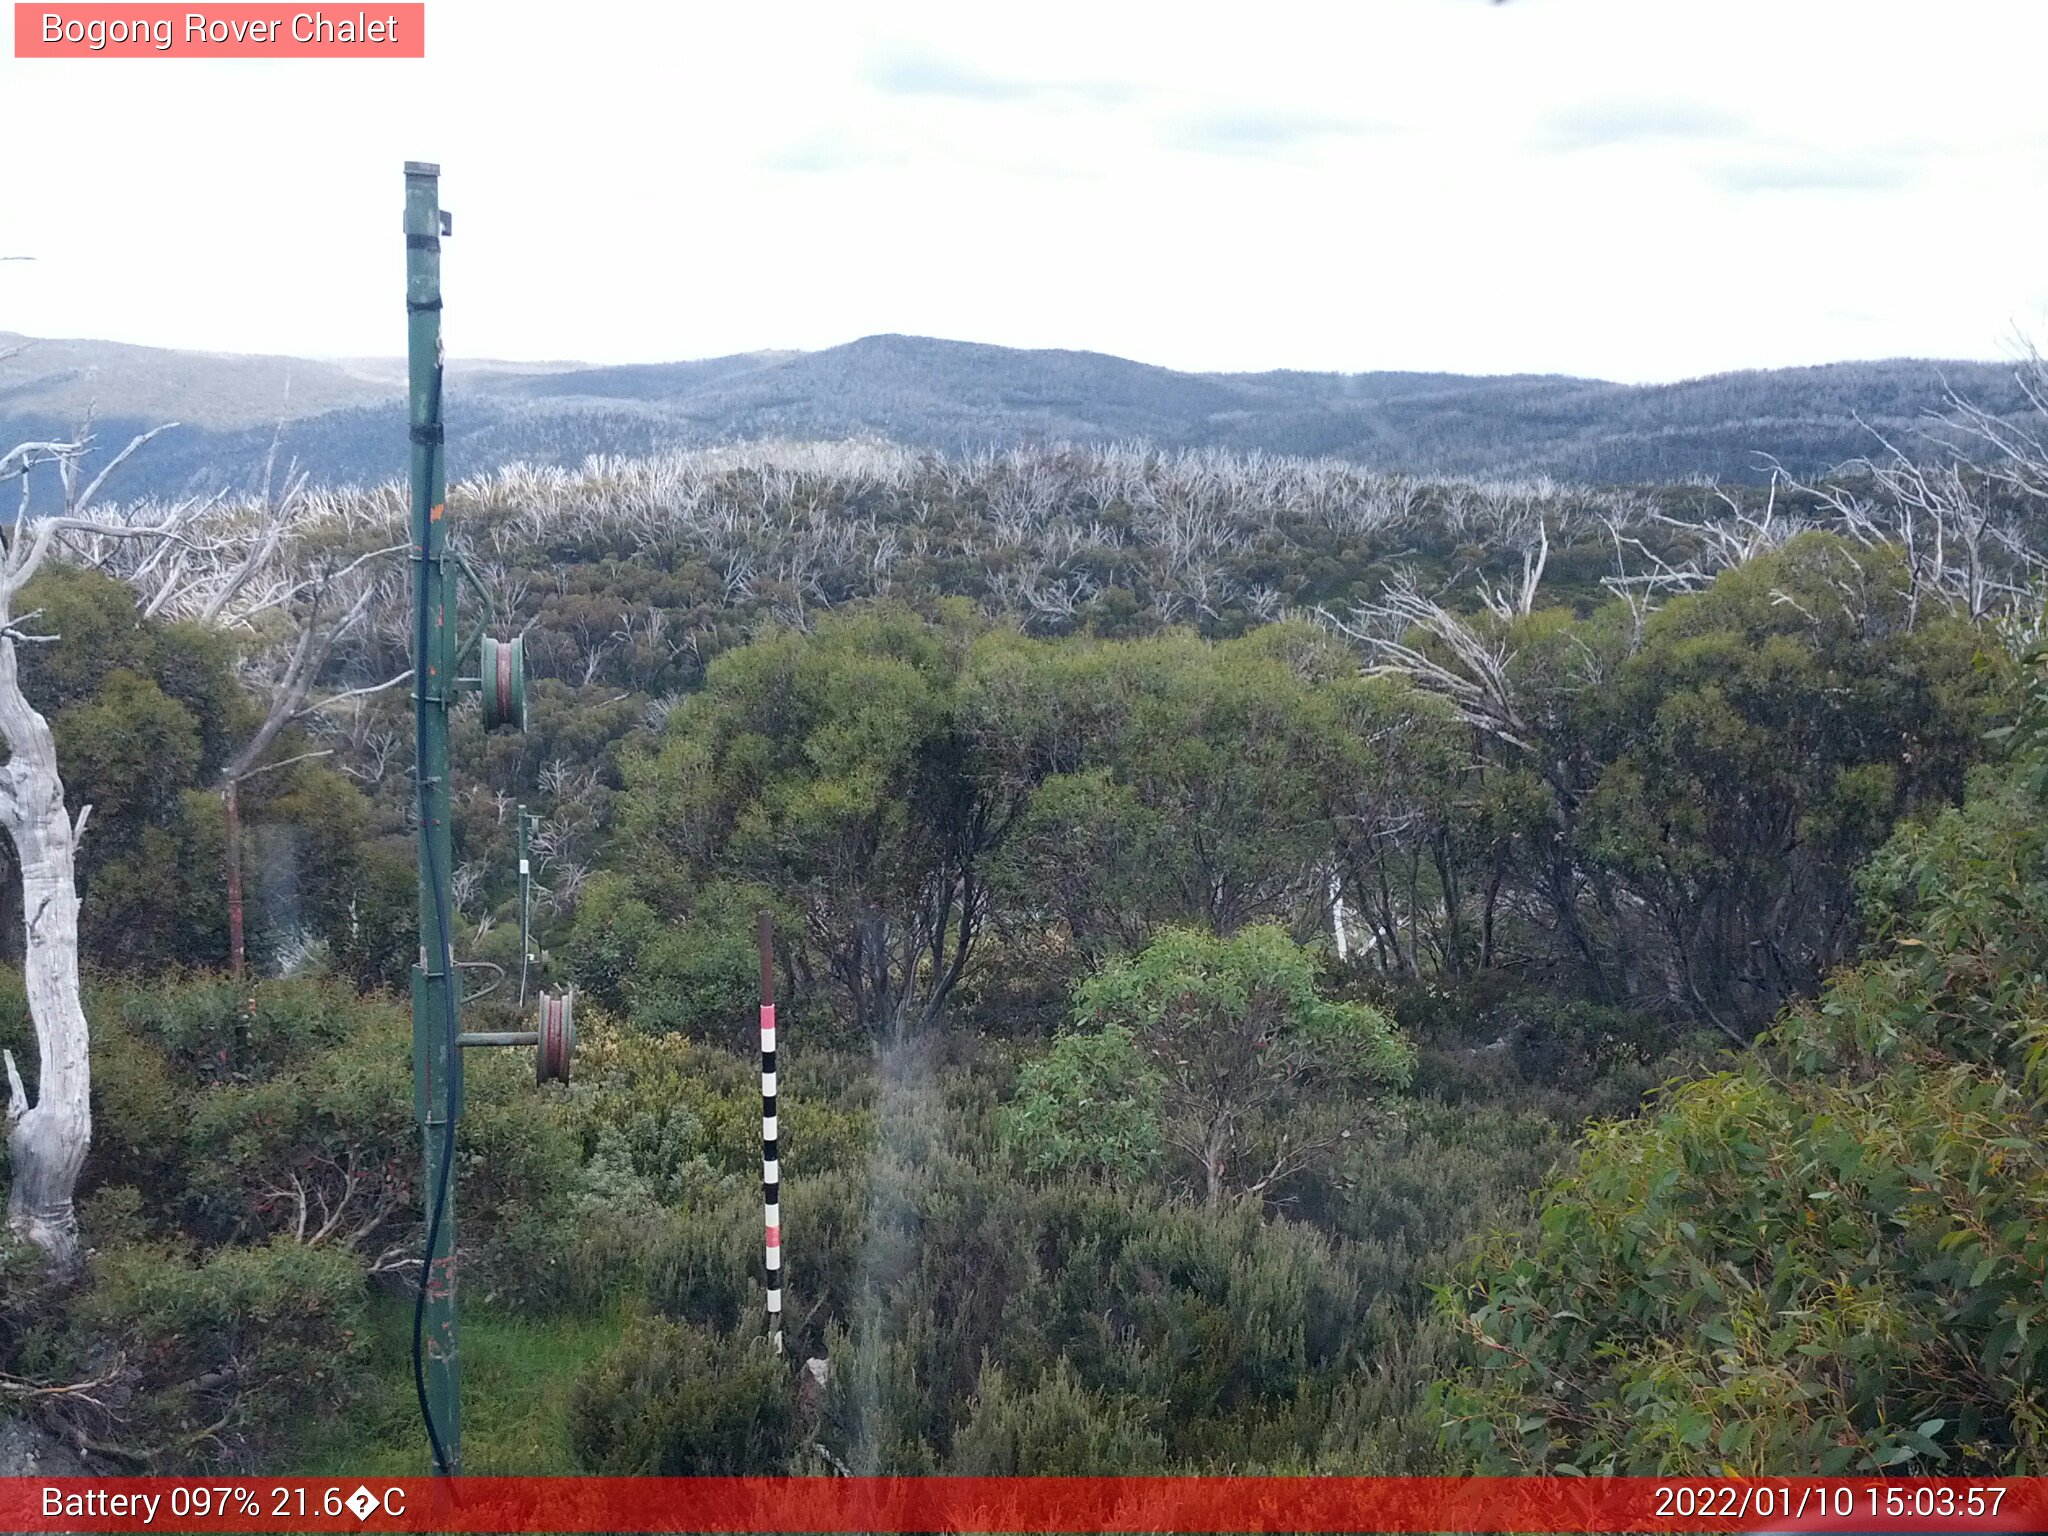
(1027, 1504)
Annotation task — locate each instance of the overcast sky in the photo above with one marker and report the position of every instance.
(1634, 189)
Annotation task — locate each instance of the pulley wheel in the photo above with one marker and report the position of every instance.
(557, 1037)
(503, 668)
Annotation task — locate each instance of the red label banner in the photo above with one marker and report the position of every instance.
(1025, 1504)
(232, 31)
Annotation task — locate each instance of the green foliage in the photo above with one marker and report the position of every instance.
(1760, 745)
(210, 1028)
(702, 976)
(896, 780)
(1825, 1258)
(1095, 855)
(33, 1339)
(282, 1110)
(1188, 780)
(168, 1059)
(687, 1116)
(104, 637)
(145, 715)
(697, 973)
(376, 939)
(645, 1174)
(677, 1401)
(1209, 1311)
(969, 1322)
(1057, 1428)
(824, 766)
(132, 739)
(320, 1152)
(708, 1267)
(1215, 1320)
(611, 929)
(1668, 809)
(1088, 1106)
(1241, 1042)
(1171, 779)
(316, 868)
(233, 1348)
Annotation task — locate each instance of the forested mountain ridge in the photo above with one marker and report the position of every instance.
(344, 420)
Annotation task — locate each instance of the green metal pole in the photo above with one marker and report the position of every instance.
(436, 1060)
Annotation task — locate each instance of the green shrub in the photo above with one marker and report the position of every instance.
(702, 976)
(709, 1270)
(582, 1260)
(686, 1117)
(827, 1222)
(604, 944)
(1057, 1428)
(306, 1132)
(323, 1150)
(211, 1028)
(1240, 1051)
(679, 1401)
(1829, 1257)
(1088, 1106)
(229, 1351)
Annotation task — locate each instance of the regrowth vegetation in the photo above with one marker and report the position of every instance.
(1212, 895)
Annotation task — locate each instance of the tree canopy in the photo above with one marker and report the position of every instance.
(1825, 1256)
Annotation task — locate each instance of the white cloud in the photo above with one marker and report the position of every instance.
(1800, 171)
(1260, 132)
(900, 69)
(1599, 123)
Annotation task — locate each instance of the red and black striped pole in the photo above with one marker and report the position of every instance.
(771, 1171)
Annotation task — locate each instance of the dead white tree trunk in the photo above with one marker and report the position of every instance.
(46, 1139)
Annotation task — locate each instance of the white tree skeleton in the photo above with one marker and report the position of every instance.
(47, 1139)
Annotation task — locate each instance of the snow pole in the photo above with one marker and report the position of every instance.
(771, 1169)
(525, 899)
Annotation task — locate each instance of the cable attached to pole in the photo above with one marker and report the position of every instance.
(436, 1026)
(443, 1465)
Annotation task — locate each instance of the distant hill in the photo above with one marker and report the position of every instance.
(344, 420)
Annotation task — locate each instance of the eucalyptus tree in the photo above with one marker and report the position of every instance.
(1690, 785)
(829, 768)
(1247, 1071)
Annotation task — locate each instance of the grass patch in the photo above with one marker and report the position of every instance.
(517, 1375)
